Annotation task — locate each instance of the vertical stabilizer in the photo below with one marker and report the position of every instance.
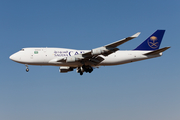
(152, 42)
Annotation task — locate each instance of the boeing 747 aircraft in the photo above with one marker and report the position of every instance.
(87, 60)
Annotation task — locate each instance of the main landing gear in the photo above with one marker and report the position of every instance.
(84, 68)
(27, 69)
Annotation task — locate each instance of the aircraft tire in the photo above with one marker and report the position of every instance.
(27, 69)
(81, 73)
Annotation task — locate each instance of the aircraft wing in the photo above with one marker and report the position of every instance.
(110, 48)
(92, 56)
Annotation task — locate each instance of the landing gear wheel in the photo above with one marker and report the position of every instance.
(81, 73)
(27, 69)
(90, 70)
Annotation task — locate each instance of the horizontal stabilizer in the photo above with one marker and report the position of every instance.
(157, 51)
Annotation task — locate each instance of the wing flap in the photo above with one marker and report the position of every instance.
(96, 60)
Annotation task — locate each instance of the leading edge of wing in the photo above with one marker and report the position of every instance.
(119, 42)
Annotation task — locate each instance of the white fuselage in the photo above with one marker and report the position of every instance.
(48, 56)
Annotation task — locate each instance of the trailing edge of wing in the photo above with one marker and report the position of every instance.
(117, 43)
(57, 60)
(157, 51)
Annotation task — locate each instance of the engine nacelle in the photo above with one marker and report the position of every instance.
(70, 59)
(65, 69)
(99, 51)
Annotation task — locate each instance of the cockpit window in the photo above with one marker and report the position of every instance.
(22, 50)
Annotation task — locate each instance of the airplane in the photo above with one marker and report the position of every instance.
(87, 60)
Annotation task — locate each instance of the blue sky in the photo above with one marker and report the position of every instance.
(142, 90)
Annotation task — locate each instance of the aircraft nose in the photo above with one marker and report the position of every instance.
(13, 57)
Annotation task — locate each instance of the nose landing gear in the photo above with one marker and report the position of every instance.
(27, 69)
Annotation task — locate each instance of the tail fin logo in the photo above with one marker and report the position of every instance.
(152, 42)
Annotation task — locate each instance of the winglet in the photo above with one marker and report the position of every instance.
(136, 35)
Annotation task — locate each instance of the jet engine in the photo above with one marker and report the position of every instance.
(71, 59)
(99, 51)
(103, 51)
(65, 69)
